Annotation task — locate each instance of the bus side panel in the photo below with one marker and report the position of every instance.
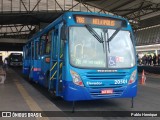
(43, 74)
(26, 67)
(36, 69)
(45, 65)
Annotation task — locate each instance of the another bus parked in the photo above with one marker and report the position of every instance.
(84, 56)
(15, 59)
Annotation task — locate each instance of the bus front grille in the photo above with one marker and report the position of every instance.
(107, 76)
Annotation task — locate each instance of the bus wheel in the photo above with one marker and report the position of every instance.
(53, 95)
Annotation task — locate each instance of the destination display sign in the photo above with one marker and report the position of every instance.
(102, 21)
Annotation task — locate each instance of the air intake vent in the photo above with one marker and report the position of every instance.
(106, 75)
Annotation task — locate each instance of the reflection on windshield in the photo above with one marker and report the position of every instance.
(121, 50)
(87, 51)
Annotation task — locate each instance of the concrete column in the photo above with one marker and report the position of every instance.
(156, 51)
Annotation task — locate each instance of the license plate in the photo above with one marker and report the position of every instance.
(108, 91)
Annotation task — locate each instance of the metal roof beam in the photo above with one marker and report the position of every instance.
(154, 9)
(143, 15)
(135, 10)
(59, 5)
(36, 5)
(119, 6)
(73, 6)
(16, 28)
(14, 32)
(14, 25)
(24, 5)
(107, 6)
(86, 7)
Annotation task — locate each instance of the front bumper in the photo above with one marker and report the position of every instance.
(73, 92)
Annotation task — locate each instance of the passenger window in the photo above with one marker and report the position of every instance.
(61, 49)
(27, 52)
(37, 50)
(55, 46)
(48, 42)
(42, 45)
(32, 45)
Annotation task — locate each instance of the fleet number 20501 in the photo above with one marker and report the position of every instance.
(120, 81)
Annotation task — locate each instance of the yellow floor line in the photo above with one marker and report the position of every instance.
(29, 100)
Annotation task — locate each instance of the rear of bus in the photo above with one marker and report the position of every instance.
(100, 58)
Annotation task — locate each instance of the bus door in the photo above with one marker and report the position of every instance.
(33, 63)
(56, 62)
(25, 60)
(36, 62)
(31, 59)
(28, 54)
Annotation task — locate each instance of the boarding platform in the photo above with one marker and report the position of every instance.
(16, 94)
(2, 75)
(149, 69)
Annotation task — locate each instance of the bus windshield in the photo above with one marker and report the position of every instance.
(16, 58)
(87, 52)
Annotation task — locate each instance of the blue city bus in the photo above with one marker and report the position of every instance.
(15, 59)
(84, 56)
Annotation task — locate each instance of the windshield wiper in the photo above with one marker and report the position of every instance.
(112, 36)
(95, 34)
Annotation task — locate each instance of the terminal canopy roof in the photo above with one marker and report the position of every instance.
(141, 12)
(22, 18)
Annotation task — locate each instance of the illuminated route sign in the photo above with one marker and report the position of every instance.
(95, 20)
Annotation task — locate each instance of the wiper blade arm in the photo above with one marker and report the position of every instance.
(94, 33)
(114, 34)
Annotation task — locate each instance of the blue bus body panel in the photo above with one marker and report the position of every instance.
(44, 69)
(103, 81)
(44, 65)
(36, 68)
(26, 67)
(76, 93)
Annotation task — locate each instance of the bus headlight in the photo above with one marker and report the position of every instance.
(76, 78)
(133, 77)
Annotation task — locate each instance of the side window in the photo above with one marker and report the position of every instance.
(61, 49)
(55, 43)
(37, 50)
(61, 46)
(28, 51)
(48, 43)
(32, 45)
(42, 45)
